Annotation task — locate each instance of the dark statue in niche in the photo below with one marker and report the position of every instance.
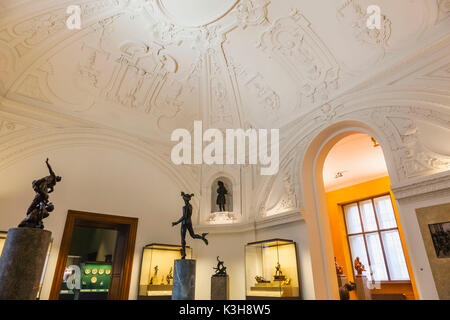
(221, 192)
(40, 206)
(186, 224)
(221, 270)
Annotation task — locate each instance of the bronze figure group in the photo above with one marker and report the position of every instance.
(40, 207)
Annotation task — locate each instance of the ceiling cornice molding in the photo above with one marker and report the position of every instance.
(423, 186)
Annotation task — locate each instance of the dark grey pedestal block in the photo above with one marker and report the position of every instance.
(184, 280)
(22, 262)
(219, 288)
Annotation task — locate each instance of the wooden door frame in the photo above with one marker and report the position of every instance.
(96, 220)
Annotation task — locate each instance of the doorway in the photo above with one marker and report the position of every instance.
(363, 218)
(95, 257)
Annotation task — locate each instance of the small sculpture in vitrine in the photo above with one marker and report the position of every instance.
(169, 277)
(221, 192)
(40, 206)
(154, 278)
(186, 224)
(221, 270)
(278, 273)
(359, 266)
(260, 279)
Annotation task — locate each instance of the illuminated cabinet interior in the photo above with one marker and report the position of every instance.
(156, 279)
(271, 269)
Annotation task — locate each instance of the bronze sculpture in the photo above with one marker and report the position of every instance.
(339, 269)
(221, 270)
(359, 266)
(40, 206)
(186, 224)
(278, 273)
(221, 192)
(169, 277)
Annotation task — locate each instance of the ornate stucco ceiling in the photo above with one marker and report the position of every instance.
(146, 67)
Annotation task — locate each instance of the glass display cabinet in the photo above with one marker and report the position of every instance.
(2, 240)
(156, 279)
(271, 270)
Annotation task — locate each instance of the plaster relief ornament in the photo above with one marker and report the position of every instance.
(40, 206)
(186, 224)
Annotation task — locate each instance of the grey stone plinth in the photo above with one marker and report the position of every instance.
(184, 280)
(22, 262)
(219, 288)
(342, 280)
(362, 290)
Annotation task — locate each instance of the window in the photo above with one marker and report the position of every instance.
(373, 237)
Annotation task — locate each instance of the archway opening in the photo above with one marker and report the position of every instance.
(364, 222)
(316, 208)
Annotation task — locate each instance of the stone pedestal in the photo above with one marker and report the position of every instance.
(184, 280)
(219, 288)
(362, 290)
(22, 262)
(342, 280)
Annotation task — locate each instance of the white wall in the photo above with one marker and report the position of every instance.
(113, 182)
(230, 248)
(436, 192)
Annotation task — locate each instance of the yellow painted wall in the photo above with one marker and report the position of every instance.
(360, 191)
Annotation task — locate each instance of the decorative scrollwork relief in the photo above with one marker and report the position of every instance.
(352, 13)
(294, 45)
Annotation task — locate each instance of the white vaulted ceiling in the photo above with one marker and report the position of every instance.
(146, 67)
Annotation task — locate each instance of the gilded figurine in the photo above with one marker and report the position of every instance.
(155, 273)
(186, 224)
(169, 277)
(40, 206)
(278, 273)
(221, 270)
(221, 192)
(359, 266)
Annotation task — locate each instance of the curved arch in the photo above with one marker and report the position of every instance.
(315, 209)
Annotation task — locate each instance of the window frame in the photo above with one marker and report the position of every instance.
(378, 231)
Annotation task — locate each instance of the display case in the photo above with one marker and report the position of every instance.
(271, 270)
(156, 278)
(94, 281)
(2, 240)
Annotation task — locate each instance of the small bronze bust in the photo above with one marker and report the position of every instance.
(186, 224)
(40, 207)
(221, 270)
(221, 192)
(359, 266)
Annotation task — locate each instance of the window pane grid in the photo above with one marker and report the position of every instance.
(382, 267)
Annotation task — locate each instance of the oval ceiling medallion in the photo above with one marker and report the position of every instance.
(195, 13)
